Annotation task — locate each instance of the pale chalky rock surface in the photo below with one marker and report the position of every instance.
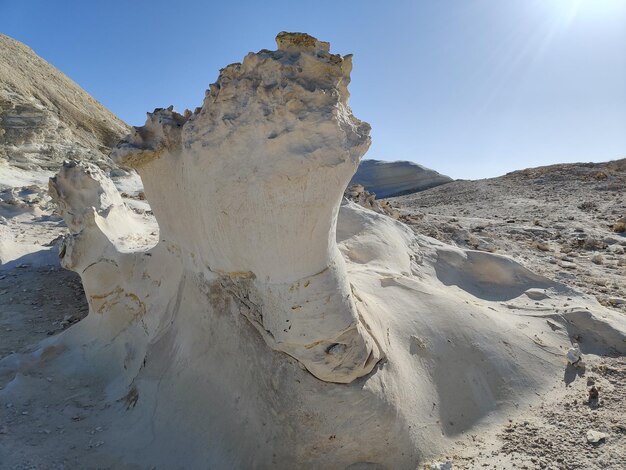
(262, 166)
(271, 327)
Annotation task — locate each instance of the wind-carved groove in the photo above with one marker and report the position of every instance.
(241, 290)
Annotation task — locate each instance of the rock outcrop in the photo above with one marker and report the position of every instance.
(46, 118)
(264, 164)
(270, 326)
(361, 196)
(389, 179)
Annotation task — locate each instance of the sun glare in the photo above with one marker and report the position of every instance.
(584, 7)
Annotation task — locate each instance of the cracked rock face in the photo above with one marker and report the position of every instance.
(262, 167)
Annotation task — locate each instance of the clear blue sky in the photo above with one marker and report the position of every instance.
(471, 88)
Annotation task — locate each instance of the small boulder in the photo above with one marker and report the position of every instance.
(574, 355)
(594, 437)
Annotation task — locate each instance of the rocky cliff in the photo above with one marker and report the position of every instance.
(45, 118)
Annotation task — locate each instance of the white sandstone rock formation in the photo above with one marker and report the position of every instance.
(390, 179)
(263, 165)
(271, 327)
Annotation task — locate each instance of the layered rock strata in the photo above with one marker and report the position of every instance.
(390, 179)
(46, 118)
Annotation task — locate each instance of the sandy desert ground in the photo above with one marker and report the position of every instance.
(558, 221)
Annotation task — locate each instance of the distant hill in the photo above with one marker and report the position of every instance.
(389, 179)
(564, 221)
(45, 118)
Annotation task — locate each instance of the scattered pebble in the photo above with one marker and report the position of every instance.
(593, 437)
